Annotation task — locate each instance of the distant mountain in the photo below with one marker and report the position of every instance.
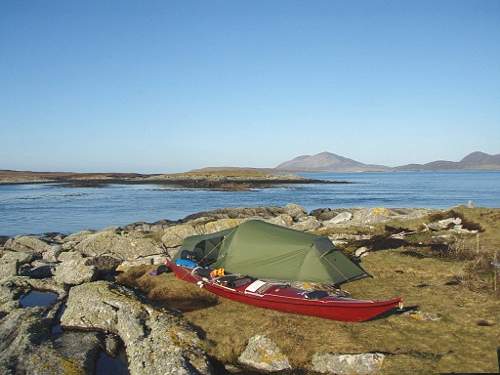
(474, 161)
(328, 162)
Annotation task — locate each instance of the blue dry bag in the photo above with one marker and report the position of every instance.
(186, 263)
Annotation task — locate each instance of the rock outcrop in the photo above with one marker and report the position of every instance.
(340, 218)
(156, 341)
(174, 235)
(27, 244)
(74, 269)
(347, 364)
(121, 245)
(263, 354)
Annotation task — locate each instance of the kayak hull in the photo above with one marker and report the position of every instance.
(286, 300)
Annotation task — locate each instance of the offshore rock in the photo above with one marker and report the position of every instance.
(347, 364)
(263, 354)
(156, 342)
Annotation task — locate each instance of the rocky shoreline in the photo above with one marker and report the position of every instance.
(92, 313)
(217, 180)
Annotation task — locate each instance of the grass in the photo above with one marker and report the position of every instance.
(465, 339)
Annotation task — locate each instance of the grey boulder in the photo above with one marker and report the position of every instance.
(156, 341)
(28, 244)
(263, 354)
(340, 218)
(347, 364)
(74, 269)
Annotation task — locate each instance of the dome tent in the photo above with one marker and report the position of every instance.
(268, 251)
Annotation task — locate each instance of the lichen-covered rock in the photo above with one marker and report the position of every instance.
(80, 348)
(36, 272)
(10, 262)
(361, 252)
(237, 213)
(121, 245)
(74, 269)
(338, 219)
(17, 256)
(173, 236)
(347, 364)
(27, 244)
(444, 224)
(307, 223)
(8, 269)
(283, 220)
(52, 253)
(156, 342)
(218, 225)
(25, 345)
(263, 354)
(323, 214)
(295, 211)
(146, 261)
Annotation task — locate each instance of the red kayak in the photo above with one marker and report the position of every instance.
(283, 297)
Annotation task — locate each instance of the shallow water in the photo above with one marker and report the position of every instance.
(38, 208)
(112, 365)
(38, 298)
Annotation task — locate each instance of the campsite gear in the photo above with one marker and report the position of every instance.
(264, 252)
(283, 297)
(218, 272)
(186, 263)
(159, 270)
(268, 251)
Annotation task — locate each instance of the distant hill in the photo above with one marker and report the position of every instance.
(474, 161)
(328, 162)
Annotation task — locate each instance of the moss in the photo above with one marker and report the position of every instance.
(71, 368)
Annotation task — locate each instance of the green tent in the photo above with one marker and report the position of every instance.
(268, 251)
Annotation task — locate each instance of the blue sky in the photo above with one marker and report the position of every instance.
(160, 86)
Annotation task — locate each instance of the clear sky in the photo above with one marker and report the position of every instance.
(158, 86)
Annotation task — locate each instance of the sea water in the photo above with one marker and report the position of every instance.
(39, 208)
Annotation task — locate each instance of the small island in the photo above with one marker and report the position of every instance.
(230, 178)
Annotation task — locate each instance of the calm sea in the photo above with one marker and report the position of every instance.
(39, 208)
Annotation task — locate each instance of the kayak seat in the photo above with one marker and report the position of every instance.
(317, 294)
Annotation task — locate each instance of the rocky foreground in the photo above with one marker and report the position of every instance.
(92, 313)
